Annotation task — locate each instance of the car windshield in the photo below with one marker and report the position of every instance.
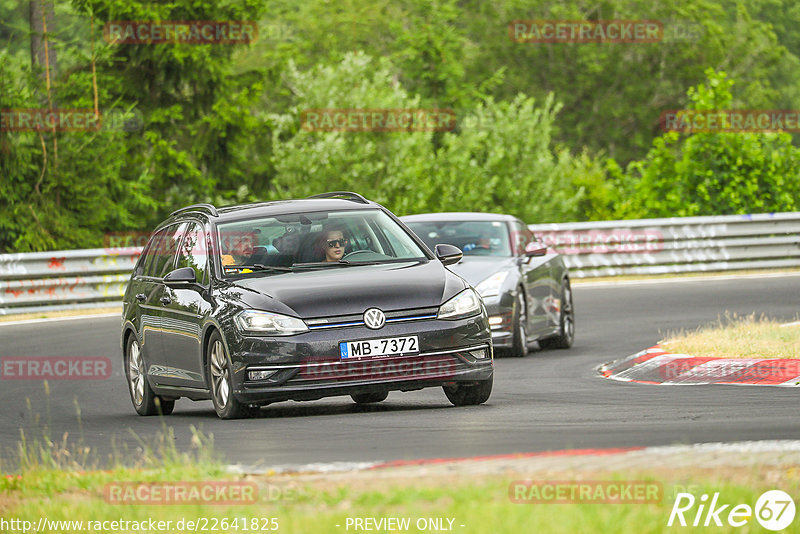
(474, 238)
(282, 243)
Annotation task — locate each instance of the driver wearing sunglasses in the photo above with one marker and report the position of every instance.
(334, 244)
(330, 245)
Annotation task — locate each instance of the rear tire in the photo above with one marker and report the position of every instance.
(369, 398)
(469, 394)
(219, 373)
(566, 334)
(145, 402)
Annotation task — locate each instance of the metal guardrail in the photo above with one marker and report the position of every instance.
(75, 279)
(68, 279)
(676, 245)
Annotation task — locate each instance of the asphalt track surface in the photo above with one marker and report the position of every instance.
(549, 400)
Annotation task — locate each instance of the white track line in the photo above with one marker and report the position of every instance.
(72, 318)
(579, 282)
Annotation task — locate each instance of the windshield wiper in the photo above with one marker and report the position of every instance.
(316, 264)
(261, 268)
(343, 263)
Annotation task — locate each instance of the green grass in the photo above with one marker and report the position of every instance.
(317, 506)
(738, 337)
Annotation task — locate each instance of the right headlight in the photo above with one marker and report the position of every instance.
(490, 287)
(465, 304)
(263, 323)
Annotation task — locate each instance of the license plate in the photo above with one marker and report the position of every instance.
(370, 348)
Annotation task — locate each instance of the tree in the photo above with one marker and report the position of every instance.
(714, 173)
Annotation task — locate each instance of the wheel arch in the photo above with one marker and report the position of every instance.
(128, 331)
(208, 331)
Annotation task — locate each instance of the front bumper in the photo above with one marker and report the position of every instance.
(308, 366)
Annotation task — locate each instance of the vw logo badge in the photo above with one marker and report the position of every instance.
(374, 318)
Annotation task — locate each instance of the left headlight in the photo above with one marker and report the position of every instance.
(490, 287)
(269, 324)
(465, 304)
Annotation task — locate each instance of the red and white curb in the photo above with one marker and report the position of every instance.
(657, 366)
(341, 467)
(758, 453)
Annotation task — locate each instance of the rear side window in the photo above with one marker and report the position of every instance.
(150, 253)
(141, 264)
(161, 253)
(194, 252)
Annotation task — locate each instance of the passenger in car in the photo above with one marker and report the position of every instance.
(241, 249)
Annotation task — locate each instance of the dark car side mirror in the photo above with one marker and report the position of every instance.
(536, 248)
(182, 278)
(448, 254)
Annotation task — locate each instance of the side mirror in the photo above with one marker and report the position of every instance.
(537, 248)
(181, 278)
(448, 254)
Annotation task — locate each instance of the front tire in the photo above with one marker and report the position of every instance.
(566, 334)
(469, 394)
(219, 373)
(145, 402)
(519, 346)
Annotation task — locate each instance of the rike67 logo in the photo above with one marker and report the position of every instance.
(774, 510)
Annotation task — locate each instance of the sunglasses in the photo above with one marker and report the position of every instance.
(337, 243)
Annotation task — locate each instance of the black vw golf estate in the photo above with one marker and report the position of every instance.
(298, 300)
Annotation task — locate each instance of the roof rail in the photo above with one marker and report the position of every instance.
(355, 197)
(198, 207)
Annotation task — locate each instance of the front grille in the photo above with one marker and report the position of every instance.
(381, 369)
(441, 365)
(339, 321)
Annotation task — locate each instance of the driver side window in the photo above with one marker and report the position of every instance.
(522, 237)
(194, 252)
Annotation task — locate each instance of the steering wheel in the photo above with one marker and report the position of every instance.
(359, 251)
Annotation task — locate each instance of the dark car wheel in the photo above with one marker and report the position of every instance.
(145, 402)
(467, 394)
(219, 374)
(369, 398)
(566, 334)
(519, 347)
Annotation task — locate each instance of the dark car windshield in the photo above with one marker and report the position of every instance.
(474, 238)
(275, 243)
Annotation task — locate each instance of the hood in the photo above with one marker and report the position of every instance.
(334, 291)
(475, 269)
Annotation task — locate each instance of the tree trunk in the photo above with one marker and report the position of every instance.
(43, 54)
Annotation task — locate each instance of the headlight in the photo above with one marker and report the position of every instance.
(491, 286)
(465, 304)
(269, 324)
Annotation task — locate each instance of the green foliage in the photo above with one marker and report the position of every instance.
(549, 132)
(500, 159)
(715, 173)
